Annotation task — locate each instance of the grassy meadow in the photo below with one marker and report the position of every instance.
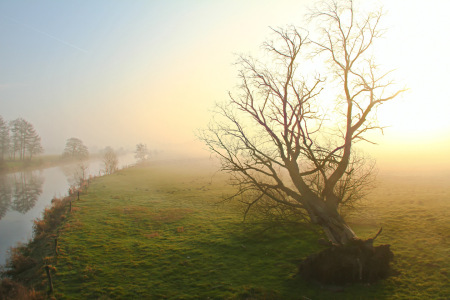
(160, 231)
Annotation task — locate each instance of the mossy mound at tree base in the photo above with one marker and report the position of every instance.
(358, 261)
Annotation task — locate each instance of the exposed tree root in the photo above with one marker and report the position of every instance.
(357, 261)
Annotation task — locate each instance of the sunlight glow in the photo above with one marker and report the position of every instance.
(152, 71)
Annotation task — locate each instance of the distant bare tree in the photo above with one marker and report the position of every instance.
(78, 176)
(141, 153)
(75, 150)
(110, 161)
(285, 151)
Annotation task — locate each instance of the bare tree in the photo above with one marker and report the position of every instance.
(110, 161)
(75, 150)
(78, 176)
(141, 153)
(288, 148)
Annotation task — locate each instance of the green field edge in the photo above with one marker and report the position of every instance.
(162, 234)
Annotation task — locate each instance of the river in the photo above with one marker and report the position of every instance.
(25, 195)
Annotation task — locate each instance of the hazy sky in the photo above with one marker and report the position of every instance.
(119, 73)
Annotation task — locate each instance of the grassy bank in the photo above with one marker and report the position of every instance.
(26, 262)
(158, 232)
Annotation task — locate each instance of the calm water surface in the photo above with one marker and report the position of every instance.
(25, 195)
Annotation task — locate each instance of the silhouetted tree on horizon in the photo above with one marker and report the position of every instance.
(289, 150)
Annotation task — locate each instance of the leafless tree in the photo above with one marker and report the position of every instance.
(141, 153)
(288, 148)
(77, 175)
(110, 161)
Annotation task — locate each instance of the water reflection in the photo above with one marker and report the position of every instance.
(20, 191)
(5, 195)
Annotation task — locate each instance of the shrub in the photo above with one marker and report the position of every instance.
(19, 261)
(10, 290)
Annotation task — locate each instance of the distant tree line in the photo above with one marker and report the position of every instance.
(18, 140)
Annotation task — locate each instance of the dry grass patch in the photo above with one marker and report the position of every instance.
(152, 235)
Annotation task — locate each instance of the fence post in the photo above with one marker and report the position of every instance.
(49, 276)
(56, 246)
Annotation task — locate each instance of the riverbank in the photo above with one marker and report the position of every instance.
(22, 276)
(158, 232)
(25, 195)
(39, 162)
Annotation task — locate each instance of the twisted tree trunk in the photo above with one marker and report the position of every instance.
(333, 224)
(337, 230)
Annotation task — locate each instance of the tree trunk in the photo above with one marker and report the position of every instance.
(337, 230)
(347, 259)
(334, 226)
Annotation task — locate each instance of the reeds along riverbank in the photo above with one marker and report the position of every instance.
(25, 268)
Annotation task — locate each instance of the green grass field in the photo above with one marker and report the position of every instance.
(160, 231)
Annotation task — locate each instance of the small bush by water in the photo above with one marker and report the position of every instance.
(12, 290)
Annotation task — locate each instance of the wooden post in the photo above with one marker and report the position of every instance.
(70, 208)
(78, 195)
(49, 276)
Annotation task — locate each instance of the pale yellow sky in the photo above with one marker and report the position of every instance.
(417, 48)
(121, 73)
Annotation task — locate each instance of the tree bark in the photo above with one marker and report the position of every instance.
(337, 230)
(334, 226)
